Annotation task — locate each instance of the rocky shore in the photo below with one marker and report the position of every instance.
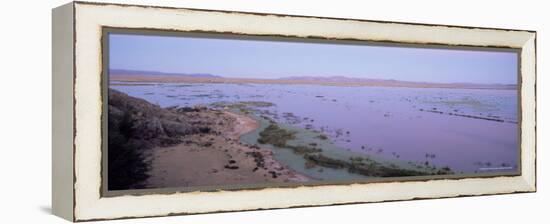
(154, 147)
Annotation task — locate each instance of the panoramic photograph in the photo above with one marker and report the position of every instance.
(196, 111)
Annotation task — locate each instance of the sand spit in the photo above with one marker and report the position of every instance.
(217, 158)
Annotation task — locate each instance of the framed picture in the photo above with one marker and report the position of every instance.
(162, 111)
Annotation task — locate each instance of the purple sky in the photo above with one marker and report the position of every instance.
(276, 59)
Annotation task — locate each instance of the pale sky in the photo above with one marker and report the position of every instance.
(277, 59)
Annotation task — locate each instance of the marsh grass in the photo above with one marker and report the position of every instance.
(277, 136)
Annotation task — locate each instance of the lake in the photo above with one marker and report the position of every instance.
(468, 130)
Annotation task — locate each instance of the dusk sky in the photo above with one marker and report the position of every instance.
(277, 59)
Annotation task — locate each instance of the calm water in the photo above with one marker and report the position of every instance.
(467, 130)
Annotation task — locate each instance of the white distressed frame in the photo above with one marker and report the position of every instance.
(89, 20)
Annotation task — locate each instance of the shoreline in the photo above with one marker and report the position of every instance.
(217, 159)
(248, 124)
(374, 83)
(321, 155)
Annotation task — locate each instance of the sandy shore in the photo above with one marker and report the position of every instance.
(217, 158)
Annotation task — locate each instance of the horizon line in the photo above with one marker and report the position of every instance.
(211, 75)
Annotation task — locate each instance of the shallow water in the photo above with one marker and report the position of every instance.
(467, 130)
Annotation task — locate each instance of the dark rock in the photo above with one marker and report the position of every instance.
(187, 109)
(273, 174)
(231, 167)
(204, 130)
(135, 125)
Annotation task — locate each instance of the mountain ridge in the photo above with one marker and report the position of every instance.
(136, 75)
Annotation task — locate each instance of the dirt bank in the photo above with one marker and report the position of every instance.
(153, 147)
(217, 159)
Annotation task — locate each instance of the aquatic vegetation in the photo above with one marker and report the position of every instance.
(369, 167)
(244, 104)
(275, 135)
(322, 137)
(321, 160)
(244, 107)
(279, 137)
(430, 156)
(489, 117)
(300, 149)
(202, 95)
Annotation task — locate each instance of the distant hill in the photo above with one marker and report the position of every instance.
(138, 72)
(152, 76)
